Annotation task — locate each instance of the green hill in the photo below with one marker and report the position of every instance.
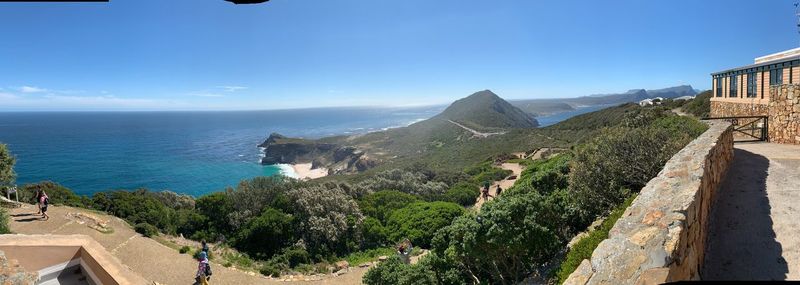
(485, 110)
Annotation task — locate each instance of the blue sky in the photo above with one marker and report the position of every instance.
(213, 55)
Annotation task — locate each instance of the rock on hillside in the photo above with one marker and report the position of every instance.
(486, 110)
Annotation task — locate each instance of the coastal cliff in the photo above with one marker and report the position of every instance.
(279, 149)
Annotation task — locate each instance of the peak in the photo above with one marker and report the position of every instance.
(483, 93)
(484, 109)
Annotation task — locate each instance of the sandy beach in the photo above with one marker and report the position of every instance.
(303, 171)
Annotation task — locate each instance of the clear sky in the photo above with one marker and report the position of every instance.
(213, 55)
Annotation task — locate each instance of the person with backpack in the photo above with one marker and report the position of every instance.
(204, 246)
(203, 269)
(44, 201)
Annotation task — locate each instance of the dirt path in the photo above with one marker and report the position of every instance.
(754, 221)
(147, 257)
(476, 133)
(516, 168)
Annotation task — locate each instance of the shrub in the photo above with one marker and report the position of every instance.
(146, 229)
(4, 229)
(7, 161)
(391, 271)
(415, 183)
(373, 233)
(380, 204)
(486, 171)
(270, 269)
(419, 221)
(584, 247)
(700, 106)
(546, 175)
(185, 249)
(329, 219)
(57, 194)
(620, 160)
(266, 234)
(463, 193)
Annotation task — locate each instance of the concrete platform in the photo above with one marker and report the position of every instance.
(755, 220)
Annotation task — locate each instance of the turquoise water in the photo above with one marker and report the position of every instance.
(186, 152)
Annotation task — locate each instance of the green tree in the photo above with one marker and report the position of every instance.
(381, 204)
(419, 221)
(267, 234)
(7, 174)
(463, 193)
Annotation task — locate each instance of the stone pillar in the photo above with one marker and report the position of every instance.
(784, 114)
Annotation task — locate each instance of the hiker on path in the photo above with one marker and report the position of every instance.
(204, 246)
(404, 251)
(38, 195)
(43, 202)
(499, 190)
(203, 269)
(486, 194)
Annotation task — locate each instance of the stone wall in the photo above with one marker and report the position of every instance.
(784, 114)
(661, 237)
(730, 109)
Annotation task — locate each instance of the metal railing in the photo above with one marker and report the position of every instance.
(748, 128)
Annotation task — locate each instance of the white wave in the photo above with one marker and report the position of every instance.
(288, 171)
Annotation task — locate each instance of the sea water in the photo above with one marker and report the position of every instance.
(187, 152)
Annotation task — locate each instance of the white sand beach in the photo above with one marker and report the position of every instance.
(303, 171)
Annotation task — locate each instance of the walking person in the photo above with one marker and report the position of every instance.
(204, 246)
(203, 269)
(44, 201)
(404, 251)
(499, 190)
(38, 195)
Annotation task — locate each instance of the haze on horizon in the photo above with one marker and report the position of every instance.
(213, 55)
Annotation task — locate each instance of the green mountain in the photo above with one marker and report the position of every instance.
(485, 110)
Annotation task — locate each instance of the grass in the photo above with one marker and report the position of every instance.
(360, 257)
(584, 247)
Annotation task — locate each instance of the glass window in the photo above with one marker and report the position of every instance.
(719, 86)
(751, 85)
(732, 86)
(776, 76)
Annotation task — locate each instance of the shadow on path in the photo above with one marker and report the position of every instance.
(741, 241)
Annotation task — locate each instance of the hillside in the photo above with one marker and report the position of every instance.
(485, 110)
(537, 106)
(442, 140)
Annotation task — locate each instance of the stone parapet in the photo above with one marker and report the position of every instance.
(720, 108)
(784, 114)
(661, 237)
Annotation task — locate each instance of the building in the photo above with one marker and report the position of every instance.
(768, 88)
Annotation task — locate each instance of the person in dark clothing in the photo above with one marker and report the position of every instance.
(499, 190)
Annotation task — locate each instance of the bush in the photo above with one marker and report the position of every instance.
(486, 171)
(266, 234)
(700, 106)
(7, 161)
(270, 269)
(146, 229)
(185, 249)
(546, 175)
(419, 221)
(373, 233)
(381, 204)
(4, 229)
(57, 194)
(584, 247)
(622, 160)
(463, 193)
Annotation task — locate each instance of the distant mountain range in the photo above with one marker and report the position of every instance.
(541, 107)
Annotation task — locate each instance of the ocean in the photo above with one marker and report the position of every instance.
(187, 152)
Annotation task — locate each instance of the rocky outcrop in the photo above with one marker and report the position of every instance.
(661, 237)
(784, 114)
(338, 159)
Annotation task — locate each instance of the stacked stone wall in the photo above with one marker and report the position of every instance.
(732, 109)
(661, 237)
(784, 114)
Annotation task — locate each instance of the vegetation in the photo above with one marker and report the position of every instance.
(419, 221)
(700, 106)
(7, 174)
(583, 248)
(146, 229)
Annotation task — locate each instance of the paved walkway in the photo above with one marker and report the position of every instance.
(754, 232)
(145, 256)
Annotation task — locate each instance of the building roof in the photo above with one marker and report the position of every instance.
(787, 61)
